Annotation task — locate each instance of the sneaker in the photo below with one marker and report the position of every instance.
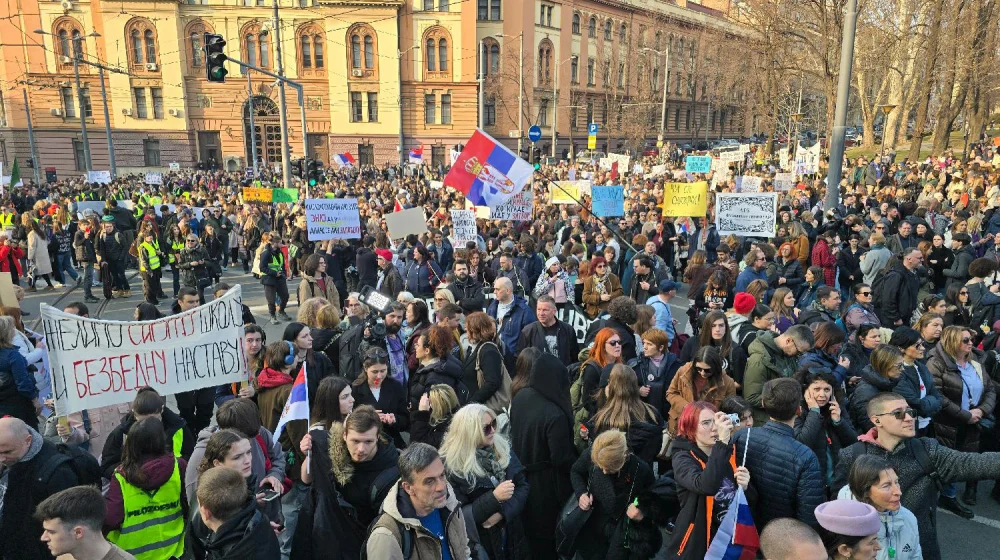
(91, 299)
(50, 288)
(274, 320)
(31, 289)
(116, 293)
(60, 285)
(284, 316)
(128, 293)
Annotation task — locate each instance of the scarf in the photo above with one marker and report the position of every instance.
(817, 306)
(599, 282)
(273, 378)
(487, 459)
(397, 359)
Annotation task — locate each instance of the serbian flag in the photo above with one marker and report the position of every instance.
(737, 537)
(398, 207)
(417, 155)
(487, 173)
(344, 160)
(297, 407)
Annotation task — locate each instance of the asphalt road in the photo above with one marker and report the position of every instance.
(961, 539)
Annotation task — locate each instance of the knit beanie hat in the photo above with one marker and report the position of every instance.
(744, 303)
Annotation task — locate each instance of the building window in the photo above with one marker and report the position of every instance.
(150, 46)
(311, 48)
(490, 113)
(592, 27)
(545, 15)
(151, 152)
(142, 42)
(642, 36)
(69, 106)
(483, 11)
(607, 73)
(687, 120)
(545, 62)
(590, 71)
(355, 51)
(572, 116)
(677, 119)
(622, 34)
(256, 46)
(656, 77)
(659, 37)
(64, 48)
(495, 10)
(67, 34)
(251, 42)
(443, 5)
(157, 95)
(446, 108)
(88, 109)
(306, 49)
(590, 112)
(137, 51)
(428, 5)
(543, 113)
(576, 24)
(318, 51)
(494, 58)
(141, 111)
(369, 52)
(79, 157)
(430, 109)
(443, 55)
(196, 53)
(574, 70)
(355, 106)
(265, 47)
(621, 74)
(436, 51)
(607, 29)
(431, 55)
(604, 113)
(372, 107)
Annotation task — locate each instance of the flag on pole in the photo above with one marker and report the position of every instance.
(417, 155)
(297, 407)
(344, 160)
(488, 173)
(15, 174)
(737, 537)
(398, 207)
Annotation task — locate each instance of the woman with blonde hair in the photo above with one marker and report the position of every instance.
(798, 238)
(783, 306)
(488, 479)
(18, 393)
(621, 407)
(431, 420)
(309, 309)
(442, 297)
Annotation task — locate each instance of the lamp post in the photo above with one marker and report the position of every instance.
(885, 109)
(555, 101)
(843, 98)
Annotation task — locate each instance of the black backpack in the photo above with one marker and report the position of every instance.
(86, 467)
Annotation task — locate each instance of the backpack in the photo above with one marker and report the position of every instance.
(403, 536)
(84, 465)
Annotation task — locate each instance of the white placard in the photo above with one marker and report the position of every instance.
(97, 363)
(784, 181)
(154, 179)
(436, 185)
(174, 166)
(463, 227)
(731, 156)
(623, 161)
(401, 224)
(517, 209)
(748, 215)
(658, 170)
(332, 218)
(96, 205)
(99, 177)
(748, 184)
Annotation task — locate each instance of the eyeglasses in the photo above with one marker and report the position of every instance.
(601, 266)
(963, 293)
(900, 414)
(966, 340)
(615, 342)
(490, 428)
(192, 240)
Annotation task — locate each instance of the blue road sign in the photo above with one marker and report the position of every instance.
(534, 133)
(592, 129)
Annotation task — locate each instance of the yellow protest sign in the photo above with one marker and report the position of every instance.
(257, 194)
(565, 192)
(685, 199)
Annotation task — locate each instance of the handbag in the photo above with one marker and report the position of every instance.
(570, 523)
(500, 400)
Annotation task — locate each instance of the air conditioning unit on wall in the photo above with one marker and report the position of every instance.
(127, 112)
(67, 5)
(66, 60)
(357, 73)
(174, 112)
(57, 112)
(151, 66)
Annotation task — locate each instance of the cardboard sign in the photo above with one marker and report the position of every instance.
(97, 363)
(257, 194)
(747, 215)
(333, 218)
(517, 209)
(784, 181)
(406, 222)
(564, 192)
(748, 184)
(99, 177)
(608, 201)
(685, 199)
(698, 164)
(154, 179)
(174, 166)
(463, 227)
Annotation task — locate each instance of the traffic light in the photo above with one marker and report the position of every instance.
(299, 168)
(315, 172)
(215, 58)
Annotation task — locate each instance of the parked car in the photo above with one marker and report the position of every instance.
(590, 155)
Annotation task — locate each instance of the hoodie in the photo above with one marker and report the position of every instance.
(245, 536)
(158, 471)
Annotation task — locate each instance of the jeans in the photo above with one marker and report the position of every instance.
(177, 279)
(291, 505)
(118, 274)
(281, 290)
(88, 279)
(949, 490)
(63, 265)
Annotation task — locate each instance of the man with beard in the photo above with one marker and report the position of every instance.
(468, 291)
(643, 282)
(394, 343)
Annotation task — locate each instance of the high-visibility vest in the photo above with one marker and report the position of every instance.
(153, 527)
(175, 247)
(6, 220)
(177, 441)
(152, 258)
(277, 263)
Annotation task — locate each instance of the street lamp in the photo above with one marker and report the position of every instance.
(555, 101)
(793, 132)
(885, 109)
(666, 87)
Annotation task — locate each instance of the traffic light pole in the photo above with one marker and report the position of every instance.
(300, 91)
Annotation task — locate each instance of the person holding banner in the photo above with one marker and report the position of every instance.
(147, 404)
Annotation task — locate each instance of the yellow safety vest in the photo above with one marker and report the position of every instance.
(152, 258)
(175, 248)
(6, 220)
(153, 527)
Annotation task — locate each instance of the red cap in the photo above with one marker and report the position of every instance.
(384, 253)
(744, 303)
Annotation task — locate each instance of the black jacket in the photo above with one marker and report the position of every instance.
(505, 540)
(791, 272)
(246, 536)
(657, 379)
(367, 263)
(447, 371)
(533, 336)
(849, 265)
(327, 341)
(112, 247)
(871, 385)
(958, 274)
(895, 295)
(908, 387)
(541, 432)
(423, 431)
(85, 249)
(392, 284)
(468, 295)
(271, 277)
(785, 471)
(815, 429)
(20, 532)
(490, 362)
(111, 456)
(391, 400)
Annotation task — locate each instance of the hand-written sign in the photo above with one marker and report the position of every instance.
(685, 199)
(608, 201)
(154, 178)
(517, 209)
(97, 363)
(698, 164)
(784, 181)
(257, 194)
(464, 230)
(333, 218)
(401, 224)
(285, 195)
(564, 192)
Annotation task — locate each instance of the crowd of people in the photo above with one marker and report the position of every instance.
(840, 374)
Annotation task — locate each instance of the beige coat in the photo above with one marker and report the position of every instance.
(38, 254)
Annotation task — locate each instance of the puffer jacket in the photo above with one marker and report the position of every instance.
(858, 314)
(959, 271)
(824, 436)
(920, 495)
(820, 358)
(447, 371)
(790, 271)
(871, 385)
(785, 471)
(908, 387)
(682, 392)
(766, 362)
(951, 425)
(397, 509)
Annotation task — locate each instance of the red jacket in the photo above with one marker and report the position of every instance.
(823, 257)
(5, 253)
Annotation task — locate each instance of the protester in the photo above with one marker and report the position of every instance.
(228, 525)
(147, 404)
(373, 387)
(821, 424)
(916, 384)
(548, 334)
(773, 357)
(875, 483)
(790, 539)
(71, 522)
(849, 529)
(433, 415)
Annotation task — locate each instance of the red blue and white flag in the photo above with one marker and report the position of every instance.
(487, 173)
(737, 537)
(344, 160)
(417, 155)
(297, 407)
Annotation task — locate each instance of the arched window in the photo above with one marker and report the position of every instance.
(318, 51)
(251, 42)
(67, 33)
(369, 52)
(195, 33)
(265, 47)
(494, 58)
(64, 49)
(642, 37)
(545, 50)
(576, 24)
(443, 55)
(355, 51)
(659, 38)
(256, 46)
(196, 52)
(622, 34)
(436, 43)
(431, 55)
(142, 43)
(306, 48)
(310, 48)
(363, 56)
(592, 27)
(607, 29)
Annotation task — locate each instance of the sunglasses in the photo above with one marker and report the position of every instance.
(700, 369)
(866, 294)
(615, 342)
(376, 353)
(966, 340)
(900, 414)
(490, 428)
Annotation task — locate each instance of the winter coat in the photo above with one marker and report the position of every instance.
(895, 297)
(658, 379)
(871, 385)
(908, 387)
(567, 347)
(748, 275)
(423, 431)
(111, 455)
(272, 396)
(920, 494)
(505, 540)
(858, 314)
(509, 329)
(111, 247)
(490, 362)
(766, 362)
(816, 314)
(801, 245)
(157, 471)
(905, 538)
(85, 251)
(9, 254)
(951, 426)
(826, 438)
(391, 400)
(820, 358)
(700, 479)
(791, 271)
(366, 262)
(943, 258)
(422, 277)
(848, 264)
(190, 274)
(269, 277)
(874, 261)
(681, 392)
(541, 434)
(20, 532)
(355, 481)
(897, 243)
(17, 387)
(445, 255)
(823, 257)
(259, 457)
(38, 253)
(309, 287)
(392, 282)
(958, 274)
(786, 473)
(447, 371)
(245, 536)
(592, 302)
(327, 341)
(807, 294)
(398, 510)
(468, 295)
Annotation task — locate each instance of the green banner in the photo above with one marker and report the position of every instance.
(286, 195)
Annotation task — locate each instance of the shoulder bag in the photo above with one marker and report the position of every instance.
(499, 402)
